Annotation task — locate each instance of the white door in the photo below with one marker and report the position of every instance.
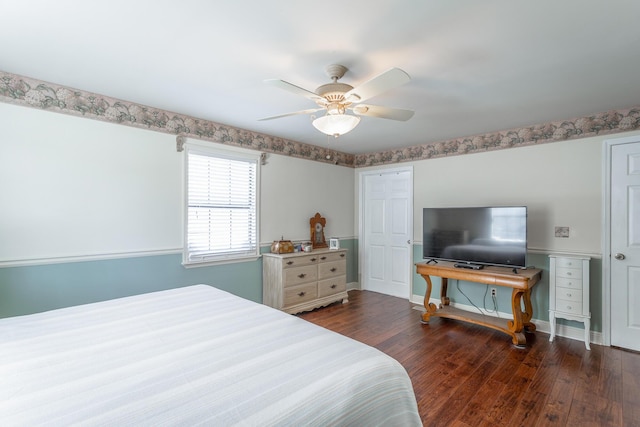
(625, 244)
(387, 229)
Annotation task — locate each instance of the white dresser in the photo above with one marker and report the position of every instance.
(303, 281)
(569, 292)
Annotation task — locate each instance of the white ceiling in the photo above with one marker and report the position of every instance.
(476, 66)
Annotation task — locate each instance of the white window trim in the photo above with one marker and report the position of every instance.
(230, 152)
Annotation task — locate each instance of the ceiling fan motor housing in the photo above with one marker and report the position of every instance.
(333, 93)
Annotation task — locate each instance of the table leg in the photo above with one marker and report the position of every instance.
(552, 324)
(528, 312)
(431, 307)
(517, 325)
(587, 329)
(444, 299)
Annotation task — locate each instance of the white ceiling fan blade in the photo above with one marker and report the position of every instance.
(293, 89)
(381, 83)
(383, 112)
(295, 113)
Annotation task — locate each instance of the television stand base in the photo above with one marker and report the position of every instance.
(469, 266)
(520, 284)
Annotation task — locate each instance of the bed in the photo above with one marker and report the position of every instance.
(193, 356)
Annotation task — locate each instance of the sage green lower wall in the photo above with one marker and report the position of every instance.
(539, 295)
(32, 289)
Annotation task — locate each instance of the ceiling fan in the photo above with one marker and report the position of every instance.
(338, 98)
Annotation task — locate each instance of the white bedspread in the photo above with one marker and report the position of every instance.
(193, 356)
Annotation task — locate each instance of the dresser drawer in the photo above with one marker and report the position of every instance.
(332, 256)
(569, 273)
(569, 294)
(299, 261)
(571, 307)
(569, 283)
(332, 286)
(331, 269)
(299, 275)
(299, 294)
(569, 263)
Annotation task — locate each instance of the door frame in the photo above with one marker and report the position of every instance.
(606, 233)
(361, 221)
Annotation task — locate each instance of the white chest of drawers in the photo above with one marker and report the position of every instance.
(303, 281)
(569, 292)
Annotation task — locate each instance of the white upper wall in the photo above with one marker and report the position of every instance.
(560, 183)
(72, 187)
(293, 190)
(76, 187)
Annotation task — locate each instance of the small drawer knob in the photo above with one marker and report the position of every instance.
(333, 269)
(301, 275)
(289, 262)
(301, 294)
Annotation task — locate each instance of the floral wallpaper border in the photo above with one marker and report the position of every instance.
(614, 121)
(20, 90)
(15, 89)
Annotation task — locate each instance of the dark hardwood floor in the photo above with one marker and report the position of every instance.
(468, 375)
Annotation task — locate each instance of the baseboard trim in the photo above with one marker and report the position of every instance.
(353, 286)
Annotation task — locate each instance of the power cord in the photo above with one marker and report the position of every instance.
(484, 299)
(494, 299)
(468, 299)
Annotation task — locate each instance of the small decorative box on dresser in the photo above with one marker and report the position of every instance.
(303, 281)
(569, 292)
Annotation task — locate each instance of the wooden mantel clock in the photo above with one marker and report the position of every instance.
(317, 224)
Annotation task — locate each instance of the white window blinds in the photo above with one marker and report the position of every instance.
(222, 216)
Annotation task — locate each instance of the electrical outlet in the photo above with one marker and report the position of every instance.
(493, 292)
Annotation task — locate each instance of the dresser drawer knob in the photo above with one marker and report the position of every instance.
(301, 294)
(301, 275)
(334, 286)
(314, 259)
(289, 262)
(568, 273)
(323, 258)
(341, 255)
(333, 269)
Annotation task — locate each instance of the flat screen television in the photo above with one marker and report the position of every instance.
(476, 236)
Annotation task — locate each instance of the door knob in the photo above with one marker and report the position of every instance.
(619, 256)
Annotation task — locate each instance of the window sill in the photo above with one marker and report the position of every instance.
(211, 263)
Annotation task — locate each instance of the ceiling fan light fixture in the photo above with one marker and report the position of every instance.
(335, 108)
(336, 124)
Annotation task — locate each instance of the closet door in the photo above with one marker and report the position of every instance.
(386, 231)
(624, 226)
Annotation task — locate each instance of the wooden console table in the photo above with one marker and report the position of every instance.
(521, 283)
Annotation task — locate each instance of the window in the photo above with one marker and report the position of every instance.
(221, 205)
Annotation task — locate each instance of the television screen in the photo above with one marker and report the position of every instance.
(476, 235)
